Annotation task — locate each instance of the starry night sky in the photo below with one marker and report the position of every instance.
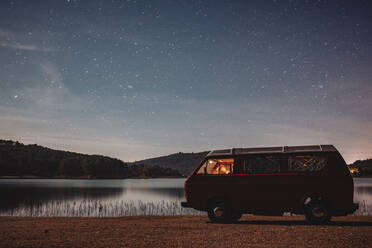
(137, 79)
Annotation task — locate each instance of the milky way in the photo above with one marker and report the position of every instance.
(136, 79)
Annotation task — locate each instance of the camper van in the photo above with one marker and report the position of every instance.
(310, 180)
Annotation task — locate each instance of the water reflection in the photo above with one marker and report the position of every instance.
(156, 194)
(114, 197)
(17, 196)
(50, 197)
(363, 195)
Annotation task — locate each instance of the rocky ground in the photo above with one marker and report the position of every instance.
(183, 231)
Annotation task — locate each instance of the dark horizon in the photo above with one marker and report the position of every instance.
(138, 79)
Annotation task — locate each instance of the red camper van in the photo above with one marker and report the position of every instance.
(310, 180)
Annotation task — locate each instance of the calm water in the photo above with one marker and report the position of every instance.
(56, 197)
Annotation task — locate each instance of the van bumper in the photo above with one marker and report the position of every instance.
(353, 208)
(185, 205)
(345, 211)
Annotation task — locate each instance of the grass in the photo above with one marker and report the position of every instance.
(101, 208)
(98, 208)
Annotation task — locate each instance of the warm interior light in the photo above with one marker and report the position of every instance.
(354, 170)
(220, 166)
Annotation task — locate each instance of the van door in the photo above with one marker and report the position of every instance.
(259, 183)
(213, 180)
(306, 179)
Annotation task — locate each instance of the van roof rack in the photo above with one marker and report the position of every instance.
(277, 149)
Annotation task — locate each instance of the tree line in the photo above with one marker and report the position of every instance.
(363, 167)
(17, 159)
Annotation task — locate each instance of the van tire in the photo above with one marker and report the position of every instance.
(219, 212)
(318, 213)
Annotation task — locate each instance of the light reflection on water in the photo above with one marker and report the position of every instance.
(56, 197)
(363, 195)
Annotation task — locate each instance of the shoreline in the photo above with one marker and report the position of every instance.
(183, 231)
(107, 178)
(83, 178)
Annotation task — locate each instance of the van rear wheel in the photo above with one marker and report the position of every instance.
(219, 212)
(318, 213)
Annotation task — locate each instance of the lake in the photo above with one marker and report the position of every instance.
(103, 198)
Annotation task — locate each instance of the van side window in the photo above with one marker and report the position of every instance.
(306, 163)
(261, 165)
(217, 166)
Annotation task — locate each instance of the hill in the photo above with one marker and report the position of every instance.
(183, 162)
(19, 160)
(364, 167)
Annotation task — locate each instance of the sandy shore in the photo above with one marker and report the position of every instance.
(183, 231)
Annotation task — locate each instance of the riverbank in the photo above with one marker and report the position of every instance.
(86, 177)
(183, 231)
(109, 178)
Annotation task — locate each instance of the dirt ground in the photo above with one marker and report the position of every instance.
(183, 231)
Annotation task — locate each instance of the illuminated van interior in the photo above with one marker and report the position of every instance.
(217, 166)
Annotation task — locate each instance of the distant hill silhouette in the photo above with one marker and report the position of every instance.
(183, 162)
(19, 160)
(364, 167)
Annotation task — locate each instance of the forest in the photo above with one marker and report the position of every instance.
(19, 160)
(361, 167)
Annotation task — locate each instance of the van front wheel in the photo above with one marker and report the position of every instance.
(318, 213)
(219, 212)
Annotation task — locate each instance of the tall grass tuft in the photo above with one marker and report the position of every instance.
(98, 208)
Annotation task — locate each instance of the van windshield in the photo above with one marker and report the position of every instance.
(217, 166)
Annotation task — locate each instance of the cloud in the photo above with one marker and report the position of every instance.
(4, 33)
(53, 96)
(51, 73)
(44, 91)
(18, 46)
(23, 41)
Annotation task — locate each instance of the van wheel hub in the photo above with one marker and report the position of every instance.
(318, 212)
(218, 212)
